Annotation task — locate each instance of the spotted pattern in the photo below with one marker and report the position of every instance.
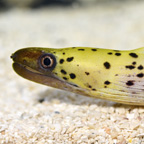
(109, 53)
(61, 61)
(134, 55)
(140, 75)
(87, 73)
(65, 78)
(130, 67)
(72, 76)
(107, 82)
(118, 54)
(63, 71)
(69, 59)
(130, 83)
(90, 86)
(81, 49)
(134, 63)
(140, 67)
(107, 65)
(94, 49)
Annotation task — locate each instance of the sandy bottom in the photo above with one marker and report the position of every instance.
(33, 113)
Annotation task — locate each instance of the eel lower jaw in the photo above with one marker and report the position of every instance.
(49, 80)
(33, 75)
(26, 68)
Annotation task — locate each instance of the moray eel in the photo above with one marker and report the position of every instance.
(101, 73)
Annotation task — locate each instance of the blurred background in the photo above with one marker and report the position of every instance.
(41, 3)
(116, 24)
(27, 109)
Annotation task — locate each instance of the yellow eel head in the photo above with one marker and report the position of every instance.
(100, 73)
(38, 65)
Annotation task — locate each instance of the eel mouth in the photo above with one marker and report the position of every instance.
(49, 80)
(33, 75)
(25, 67)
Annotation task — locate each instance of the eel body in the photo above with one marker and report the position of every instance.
(101, 73)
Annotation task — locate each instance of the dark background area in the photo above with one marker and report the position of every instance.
(34, 3)
(6, 4)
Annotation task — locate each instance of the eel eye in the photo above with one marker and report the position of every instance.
(47, 61)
